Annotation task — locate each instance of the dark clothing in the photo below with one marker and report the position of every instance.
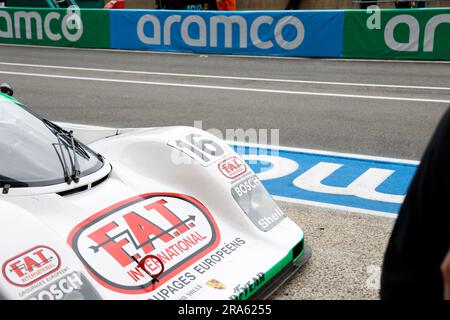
(170, 4)
(420, 239)
(293, 5)
(363, 5)
(410, 4)
(421, 4)
(185, 4)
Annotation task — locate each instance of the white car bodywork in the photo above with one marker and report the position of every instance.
(84, 240)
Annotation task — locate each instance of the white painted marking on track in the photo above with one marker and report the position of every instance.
(184, 85)
(325, 153)
(221, 77)
(363, 187)
(228, 55)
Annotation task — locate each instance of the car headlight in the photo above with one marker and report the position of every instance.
(257, 203)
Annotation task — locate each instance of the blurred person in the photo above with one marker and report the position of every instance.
(401, 4)
(364, 4)
(213, 4)
(226, 5)
(417, 262)
(293, 5)
(170, 4)
(115, 4)
(445, 268)
(421, 4)
(2, 3)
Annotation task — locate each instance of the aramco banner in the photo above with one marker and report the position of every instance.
(398, 34)
(282, 33)
(375, 34)
(55, 27)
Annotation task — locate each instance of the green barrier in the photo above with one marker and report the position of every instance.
(385, 34)
(55, 27)
(398, 34)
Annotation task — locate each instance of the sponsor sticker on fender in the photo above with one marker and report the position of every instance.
(257, 203)
(232, 167)
(200, 147)
(30, 266)
(176, 228)
(74, 286)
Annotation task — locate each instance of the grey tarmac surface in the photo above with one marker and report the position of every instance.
(399, 129)
(347, 254)
(143, 94)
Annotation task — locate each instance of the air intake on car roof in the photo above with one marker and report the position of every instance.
(85, 187)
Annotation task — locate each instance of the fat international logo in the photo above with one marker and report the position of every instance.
(31, 266)
(232, 167)
(176, 228)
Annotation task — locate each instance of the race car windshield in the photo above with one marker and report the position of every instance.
(34, 152)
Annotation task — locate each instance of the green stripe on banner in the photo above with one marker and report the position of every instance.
(398, 34)
(87, 28)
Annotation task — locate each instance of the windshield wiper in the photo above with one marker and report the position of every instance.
(62, 135)
(57, 129)
(75, 165)
(62, 159)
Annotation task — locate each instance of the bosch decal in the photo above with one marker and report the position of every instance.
(31, 266)
(175, 228)
(257, 203)
(74, 286)
(232, 167)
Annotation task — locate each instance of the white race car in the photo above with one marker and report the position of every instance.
(150, 213)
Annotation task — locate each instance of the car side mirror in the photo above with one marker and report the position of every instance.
(6, 89)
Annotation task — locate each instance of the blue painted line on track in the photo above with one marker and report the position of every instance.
(381, 196)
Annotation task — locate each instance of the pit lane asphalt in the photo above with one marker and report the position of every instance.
(392, 128)
(347, 256)
(347, 247)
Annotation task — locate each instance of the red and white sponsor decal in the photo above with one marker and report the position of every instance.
(31, 266)
(176, 228)
(232, 167)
